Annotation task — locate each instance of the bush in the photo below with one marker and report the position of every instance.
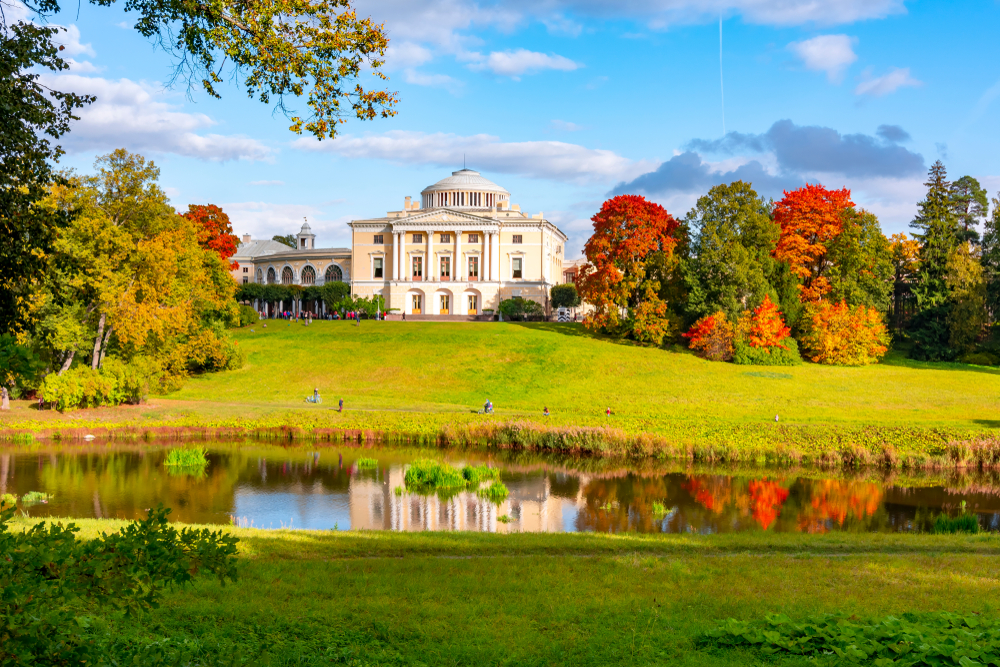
(57, 590)
(521, 309)
(247, 316)
(980, 359)
(564, 296)
(966, 523)
(115, 383)
(212, 349)
(747, 355)
(712, 337)
(836, 334)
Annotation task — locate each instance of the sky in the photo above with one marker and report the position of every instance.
(568, 102)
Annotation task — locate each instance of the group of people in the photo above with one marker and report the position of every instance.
(315, 398)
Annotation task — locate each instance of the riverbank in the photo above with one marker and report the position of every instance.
(422, 383)
(380, 598)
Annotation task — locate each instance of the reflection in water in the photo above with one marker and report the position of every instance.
(273, 487)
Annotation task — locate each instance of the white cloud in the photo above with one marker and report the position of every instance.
(418, 78)
(832, 54)
(130, 114)
(898, 77)
(82, 67)
(521, 61)
(267, 182)
(69, 39)
(560, 25)
(407, 54)
(554, 160)
(262, 220)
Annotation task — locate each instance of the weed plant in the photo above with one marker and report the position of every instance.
(187, 458)
(428, 474)
(659, 509)
(495, 492)
(504, 518)
(966, 523)
(8, 500)
(367, 464)
(34, 498)
(481, 473)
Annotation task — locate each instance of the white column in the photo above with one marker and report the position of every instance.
(457, 271)
(404, 270)
(495, 260)
(395, 255)
(429, 268)
(487, 270)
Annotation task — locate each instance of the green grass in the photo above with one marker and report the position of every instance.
(496, 492)
(428, 379)
(367, 464)
(186, 458)
(565, 599)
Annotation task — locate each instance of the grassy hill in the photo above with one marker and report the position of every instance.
(421, 377)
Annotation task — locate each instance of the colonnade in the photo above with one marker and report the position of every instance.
(489, 269)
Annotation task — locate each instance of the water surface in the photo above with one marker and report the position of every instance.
(322, 487)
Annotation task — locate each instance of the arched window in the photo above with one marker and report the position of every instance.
(334, 274)
(271, 276)
(309, 276)
(286, 276)
(260, 276)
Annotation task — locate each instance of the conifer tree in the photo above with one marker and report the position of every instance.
(991, 259)
(970, 205)
(937, 230)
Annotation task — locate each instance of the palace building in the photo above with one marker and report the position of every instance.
(458, 251)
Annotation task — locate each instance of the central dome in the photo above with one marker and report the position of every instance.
(465, 188)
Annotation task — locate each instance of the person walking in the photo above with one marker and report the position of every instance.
(340, 407)
(607, 413)
(4, 399)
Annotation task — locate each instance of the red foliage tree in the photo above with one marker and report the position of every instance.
(215, 231)
(810, 217)
(766, 499)
(712, 337)
(836, 334)
(765, 327)
(628, 231)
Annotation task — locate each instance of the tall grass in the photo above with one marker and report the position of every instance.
(495, 492)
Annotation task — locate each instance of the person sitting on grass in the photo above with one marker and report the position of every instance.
(545, 413)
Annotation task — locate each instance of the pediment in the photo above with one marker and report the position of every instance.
(447, 215)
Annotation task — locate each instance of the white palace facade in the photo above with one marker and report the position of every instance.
(458, 251)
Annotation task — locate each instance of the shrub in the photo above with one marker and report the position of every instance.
(480, 473)
(966, 523)
(785, 355)
(836, 334)
(712, 337)
(367, 464)
(564, 296)
(495, 492)
(212, 349)
(429, 474)
(247, 316)
(521, 309)
(115, 383)
(186, 458)
(980, 359)
(57, 588)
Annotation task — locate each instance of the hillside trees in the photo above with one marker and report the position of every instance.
(970, 205)
(810, 217)
(631, 247)
(861, 262)
(991, 259)
(732, 239)
(215, 231)
(129, 276)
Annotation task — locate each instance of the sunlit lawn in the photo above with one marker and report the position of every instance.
(456, 367)
(473, 599)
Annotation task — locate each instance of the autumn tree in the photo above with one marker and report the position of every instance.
(905, 255)
(837, 334)
(810, 218)
(275, 51)
(630, 235)
(967, 317)
(712, 337)
(764, 326)
(216, 231)
(732, 240)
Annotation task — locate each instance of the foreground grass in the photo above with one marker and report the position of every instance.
(424, 378)
(590, 599)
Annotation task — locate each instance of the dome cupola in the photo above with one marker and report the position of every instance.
(465, 188)
(306, 239)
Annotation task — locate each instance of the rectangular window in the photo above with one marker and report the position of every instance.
(473, 238)
(516, 267)
(473, 268)
(418, 268)
(378, 239)
(446, 238)
(245, 280)
(418, 238)
(517, 239)
(446, 267)
(377, 265)
(246, 270)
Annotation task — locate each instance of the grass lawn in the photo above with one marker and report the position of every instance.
(579, 599)
(419, 377)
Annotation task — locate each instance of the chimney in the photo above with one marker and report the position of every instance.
(406, 206)
(246, 238)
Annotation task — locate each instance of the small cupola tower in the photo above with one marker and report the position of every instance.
(307, 240)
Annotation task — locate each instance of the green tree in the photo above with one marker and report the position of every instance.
(967, 316)
(287, 239)
(991, 259)
(938, 233)
(970, 205)
(564, 296)
(861, 270)
(733, 236)
(33, 118)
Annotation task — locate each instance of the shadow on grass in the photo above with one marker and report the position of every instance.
(898, 357)
(576, 329)
(988, 423)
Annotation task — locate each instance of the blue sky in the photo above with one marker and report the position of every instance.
(565, 102)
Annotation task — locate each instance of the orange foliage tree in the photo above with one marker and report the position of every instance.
(835, 333)
(764, 327)
(766, 499)
(629, 231)
(810, 217)
(215, 232)
(712, 337)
